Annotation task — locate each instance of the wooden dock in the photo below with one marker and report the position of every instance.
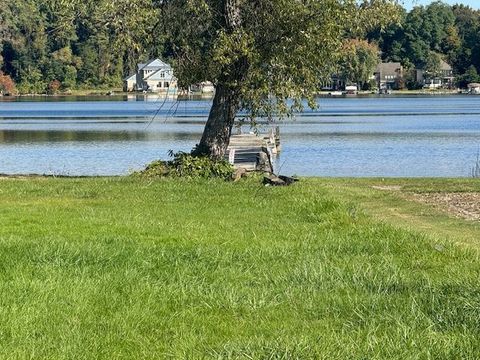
(254, 152)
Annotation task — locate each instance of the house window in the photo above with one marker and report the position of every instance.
(159, 84)
(167, 84)
(162, 75)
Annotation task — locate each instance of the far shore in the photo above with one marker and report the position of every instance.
(118, 92)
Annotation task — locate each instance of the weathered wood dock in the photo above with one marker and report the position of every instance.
(254, 152)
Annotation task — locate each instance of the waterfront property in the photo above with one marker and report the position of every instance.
(130, 83)
(205, 87)
(152, 76)
(444, 78)
(389, 75)
(474, 88)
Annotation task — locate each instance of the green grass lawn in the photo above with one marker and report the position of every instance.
(124, 268)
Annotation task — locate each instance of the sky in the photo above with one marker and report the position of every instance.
(408, 4)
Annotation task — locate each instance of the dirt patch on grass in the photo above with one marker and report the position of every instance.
(387, 187)
(462, 205)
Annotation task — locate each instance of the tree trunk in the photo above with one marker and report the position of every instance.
(216, 135)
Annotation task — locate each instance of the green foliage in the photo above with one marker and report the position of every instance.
(453, 32)
(470, 76)
(187, 166)
(32, 82)
(104, 39)
(433, 65)
(70, 78)
(272, 53)
(358, 60)
(93, 42)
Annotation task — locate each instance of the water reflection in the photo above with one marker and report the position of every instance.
(39, 136)
(392, 136)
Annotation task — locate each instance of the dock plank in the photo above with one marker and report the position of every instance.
(251, 152)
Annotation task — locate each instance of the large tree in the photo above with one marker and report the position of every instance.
(263, 56)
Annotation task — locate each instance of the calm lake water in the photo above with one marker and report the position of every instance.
(388, 136)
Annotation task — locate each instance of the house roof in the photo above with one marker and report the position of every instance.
(131, 77)
(445, 66)
(388, 68)
(154, 64)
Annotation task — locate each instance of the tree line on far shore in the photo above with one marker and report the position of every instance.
(48, 46)
(429, 33)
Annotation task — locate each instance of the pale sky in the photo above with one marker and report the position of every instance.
(408, 4)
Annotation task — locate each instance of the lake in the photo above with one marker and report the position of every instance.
(391, 136)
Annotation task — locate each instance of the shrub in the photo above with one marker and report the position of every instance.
(189, 166)
(7, 85)
(32, 82)
(54, 86)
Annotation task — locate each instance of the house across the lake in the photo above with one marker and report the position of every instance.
(389, 75)
(152, 76)
(444, 78)
(474, 88)
(205, 87)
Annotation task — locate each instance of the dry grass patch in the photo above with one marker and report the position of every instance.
(464, 205)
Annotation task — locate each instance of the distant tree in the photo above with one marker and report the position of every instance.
(358, 61)
(7, 85)
(107, 36)
(439, 19)
(432, 66)
(54, 86)
(70, 78)
(452, 42)
(467, 23)
(390, 39)
(470, 76)
(32, 82)
(423, 29)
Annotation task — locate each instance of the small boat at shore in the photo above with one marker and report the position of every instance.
(336, 93)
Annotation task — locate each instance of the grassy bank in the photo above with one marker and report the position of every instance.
(131, 269)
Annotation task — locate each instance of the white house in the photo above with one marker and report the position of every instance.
(205, 87)
(130, 83)
(154, 75)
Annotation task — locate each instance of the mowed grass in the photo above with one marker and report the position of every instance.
(124, 268)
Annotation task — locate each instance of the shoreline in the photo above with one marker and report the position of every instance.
(4, 176)
(103, 93)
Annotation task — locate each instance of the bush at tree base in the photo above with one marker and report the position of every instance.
(188, 166)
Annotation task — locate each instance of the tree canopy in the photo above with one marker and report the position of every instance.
(281, 49)
(76, 42)
(358, 60)
(263, 56)
(452, 32)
